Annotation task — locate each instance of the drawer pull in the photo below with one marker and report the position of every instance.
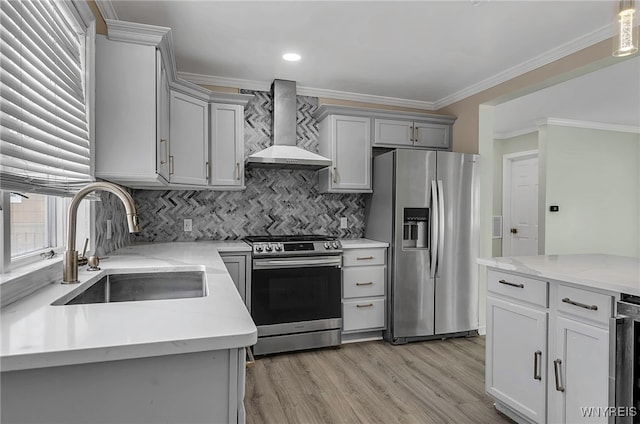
(558, 372)
(364, 258)
(365, 284)
(581, 305)
(366, 305)
(509, 283)
(537, 360)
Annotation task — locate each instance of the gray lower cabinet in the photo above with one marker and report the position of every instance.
(363, 291)
(239, 266)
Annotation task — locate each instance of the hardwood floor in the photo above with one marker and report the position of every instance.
(439, 381)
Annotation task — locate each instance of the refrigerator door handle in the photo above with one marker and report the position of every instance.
(435, 225)
(440, 222)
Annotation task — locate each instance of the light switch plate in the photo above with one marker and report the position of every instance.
(188, 225)
(343, 222)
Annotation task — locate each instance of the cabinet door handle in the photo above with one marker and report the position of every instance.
(537, 362)
(171, 165)
(411, 134)
(238, 171)
(508, 283)
(208, 169)
(165, 150)
(580, 305)
(369, 283)
(558, 372)
(366, 305)
(415, 137)
(334, 173)
(363, 258)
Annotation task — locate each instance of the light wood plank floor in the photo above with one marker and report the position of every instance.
(438, 381)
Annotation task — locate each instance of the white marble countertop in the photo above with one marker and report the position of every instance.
(618, 274)
(36, 334)
(362, 243)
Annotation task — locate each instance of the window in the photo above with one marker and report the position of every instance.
(46, 66)
(37, 227)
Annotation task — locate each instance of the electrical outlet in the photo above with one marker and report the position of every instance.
(343, 222)
(188, 225)
(109, 229)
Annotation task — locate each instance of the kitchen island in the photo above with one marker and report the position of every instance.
(551, 334)
(172, 360)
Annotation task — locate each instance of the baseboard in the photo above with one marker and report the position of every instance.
(482, 330)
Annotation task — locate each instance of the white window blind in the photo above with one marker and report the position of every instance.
(44, 136)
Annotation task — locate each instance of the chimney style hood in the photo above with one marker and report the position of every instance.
(284, 153)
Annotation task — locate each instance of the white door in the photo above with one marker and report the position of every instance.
(520, 204)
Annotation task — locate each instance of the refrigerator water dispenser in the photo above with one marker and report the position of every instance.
(415, 228)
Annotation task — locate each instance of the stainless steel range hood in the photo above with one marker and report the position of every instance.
(284, 153)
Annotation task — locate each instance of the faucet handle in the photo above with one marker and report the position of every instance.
(82, 259)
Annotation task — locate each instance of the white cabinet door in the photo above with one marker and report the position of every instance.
(163, 119)
(189, 146)
(227, 145)
(435, 136)
(516, 357)
(390, 131)
(346, 140)
(579, 372)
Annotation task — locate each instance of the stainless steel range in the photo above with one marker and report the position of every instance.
(295, 298)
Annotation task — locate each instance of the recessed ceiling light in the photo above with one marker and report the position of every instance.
(291, 57)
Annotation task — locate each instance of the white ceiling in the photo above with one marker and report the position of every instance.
(423, 54)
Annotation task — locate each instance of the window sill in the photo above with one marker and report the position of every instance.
(22, 281)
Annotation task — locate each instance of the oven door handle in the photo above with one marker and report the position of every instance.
(259, 264)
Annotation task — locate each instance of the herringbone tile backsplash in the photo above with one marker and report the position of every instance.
(275, 202)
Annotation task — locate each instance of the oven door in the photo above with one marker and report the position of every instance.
(294, 290)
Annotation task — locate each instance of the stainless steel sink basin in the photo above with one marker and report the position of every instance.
(139, 286)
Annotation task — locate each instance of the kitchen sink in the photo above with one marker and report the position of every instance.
(134, 287)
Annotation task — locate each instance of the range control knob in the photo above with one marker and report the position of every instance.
(268, 248)
(334, 244)
(278, 247)
(327, 245)
(258, 248)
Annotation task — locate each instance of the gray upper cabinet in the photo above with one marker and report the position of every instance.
(132, 107)
(227, 146)
(189, 141)
(154, 130)
(414, 134)
(346, 141)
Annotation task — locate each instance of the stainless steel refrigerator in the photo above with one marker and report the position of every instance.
(425, 205)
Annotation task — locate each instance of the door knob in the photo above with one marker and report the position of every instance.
(514, 231)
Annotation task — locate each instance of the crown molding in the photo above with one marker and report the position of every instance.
(549, 56)
(304, 91)
(515, 133)
(106, 9)
(365, 98)
(225, 82)
(590, 125)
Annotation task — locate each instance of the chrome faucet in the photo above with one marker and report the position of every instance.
(70, 259)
